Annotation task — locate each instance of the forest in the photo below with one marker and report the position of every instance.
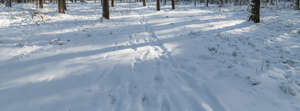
(149, 55)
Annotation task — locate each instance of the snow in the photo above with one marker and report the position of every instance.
(188, 59)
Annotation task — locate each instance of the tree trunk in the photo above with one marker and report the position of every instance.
(105, 9)
(271, 2)
(8, 3)
(297, 5)
(61, 8)
(173, 4)
(165, 2)
(254, 12)
(41, 3)
(207, 3)
(65, 4)
(112, 3)
(144, 2)
(236, 2)
(220, 3)
(158, 5)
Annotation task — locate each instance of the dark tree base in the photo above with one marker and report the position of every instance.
(105, 9)
(254, 12)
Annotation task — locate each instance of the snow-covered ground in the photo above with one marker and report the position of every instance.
(188, 59)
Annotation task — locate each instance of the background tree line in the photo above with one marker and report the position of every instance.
(254, 15)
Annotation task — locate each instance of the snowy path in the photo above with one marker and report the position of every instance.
(190, 59)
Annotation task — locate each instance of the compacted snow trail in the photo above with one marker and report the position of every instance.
(188, 59)
(162, 72)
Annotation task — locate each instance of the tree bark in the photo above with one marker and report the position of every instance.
(254, 12)
(144, 3)
(8, 3)
(271, 2)
(41, 3)
(207, 3)
(158, 5)
(65, 4)
(173, 4)
(297, 5)
(236, 2)
(61, 8)
(220, 3)
(105, 9)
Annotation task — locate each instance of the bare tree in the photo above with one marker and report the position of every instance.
(271, 2)
(297, 5)
(41, 3)
(112, 3)
(65, 4)
(8, 3)
(173, 4)
(220, 3)
(254, 12)
(61, 8)
(158, 5)
(207, 3)
(105, 9)
(144, 2)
